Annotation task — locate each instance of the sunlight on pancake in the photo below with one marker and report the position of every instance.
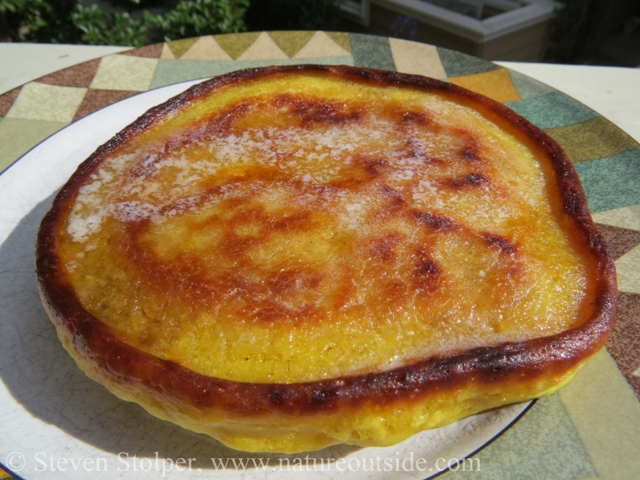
(269, 234)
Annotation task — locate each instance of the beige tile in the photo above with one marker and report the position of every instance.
(18, 136)
(120, 72)
(167, 54)
(417, 58)
(636, 210)
(606, 415)
(264, 48)
(206, 48)
(627, 267)
(620, 217)
(321, 45)
(39, 101)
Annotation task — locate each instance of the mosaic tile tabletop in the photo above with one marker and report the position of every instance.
(591, 428)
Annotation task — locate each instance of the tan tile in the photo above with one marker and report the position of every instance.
(264, 48)
(620, 217)
(120, 72)
(38, 101)
(321, 45)
(417, 58)
(628, 271)
(167, 54)
(206, 48)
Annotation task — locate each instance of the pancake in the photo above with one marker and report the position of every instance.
(294, 257)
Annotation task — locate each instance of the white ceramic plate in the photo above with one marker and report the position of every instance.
(57, 423)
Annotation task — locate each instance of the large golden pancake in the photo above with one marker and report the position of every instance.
(293, 257)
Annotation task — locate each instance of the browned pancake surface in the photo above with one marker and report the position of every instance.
(299, 225)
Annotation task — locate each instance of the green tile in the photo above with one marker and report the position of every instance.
(552, 110)
(543, 444)
(372, 52)
(18, 136)
(458, 64)
(174, 71)
(527, 87)
(612, 182)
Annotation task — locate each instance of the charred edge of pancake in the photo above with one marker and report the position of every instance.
(551, 356)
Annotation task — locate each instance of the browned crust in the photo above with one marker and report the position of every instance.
(526, 361)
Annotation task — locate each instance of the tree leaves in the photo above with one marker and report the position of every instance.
(69, 21)
(193, 18)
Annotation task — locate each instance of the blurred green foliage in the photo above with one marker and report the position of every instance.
(46, 21)
(119, 22)
(99, 27)
(193, 18)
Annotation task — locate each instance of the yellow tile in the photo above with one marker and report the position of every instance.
(628, 271)
(620, 217)
(206, 48)
(264, 48)
(417, 58)
(291, 42)
(121, 72)
(495, 84)
(179, 47)
(321, 45)
(38, 101)
(341, 38)
(236, 43)
(606, 415)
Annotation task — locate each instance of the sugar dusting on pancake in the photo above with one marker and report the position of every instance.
(284, 237)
